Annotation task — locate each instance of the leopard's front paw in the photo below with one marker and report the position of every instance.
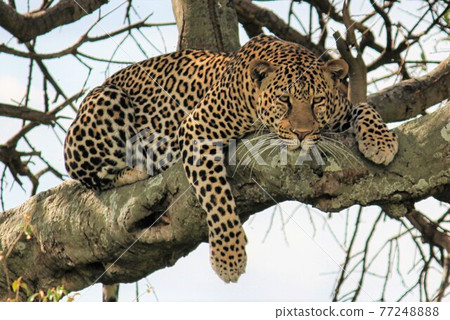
(379, 146)
(375, 141)
(227, 254)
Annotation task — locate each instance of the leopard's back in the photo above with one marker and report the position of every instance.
(126, 129)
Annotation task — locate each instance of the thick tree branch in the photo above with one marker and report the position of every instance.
(429, 230)
(78, 232)
(412, 97)
(26, 27)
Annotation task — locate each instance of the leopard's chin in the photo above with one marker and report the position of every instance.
(294, 146)
(291, 143)
(296, 142)
(309, 141)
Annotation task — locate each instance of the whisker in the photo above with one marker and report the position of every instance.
(261, 152)
(335, 151)
(328, 150)
(261, 137)
(261, 141)
(339, 148)
(323, 150)
(266, 148)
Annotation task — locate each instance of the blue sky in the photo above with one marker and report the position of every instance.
(296, 261)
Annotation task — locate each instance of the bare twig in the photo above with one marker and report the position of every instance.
(343, 271)
(7, 110)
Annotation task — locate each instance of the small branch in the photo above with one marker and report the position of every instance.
(328, 9)
(7, 110)
(48, 76)
(430, 232)
(364, 259)
(27, 128)
(343, 273)
(260, 17)
(435, 237)
(445, 280)
(391, 55)
(387, 24)
(73, 49)
(357, 70)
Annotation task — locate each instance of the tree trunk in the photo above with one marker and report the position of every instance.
(206, 24)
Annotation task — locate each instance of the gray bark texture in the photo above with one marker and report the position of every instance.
(206, 24)
(410, 98)
(149, 225)
(26, 27)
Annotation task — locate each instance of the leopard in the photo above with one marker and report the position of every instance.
(170, 107)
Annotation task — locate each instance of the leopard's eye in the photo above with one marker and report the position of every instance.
(284, 98)
(318, 99)
(287, 101)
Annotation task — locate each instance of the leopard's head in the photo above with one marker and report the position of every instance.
(295, 92)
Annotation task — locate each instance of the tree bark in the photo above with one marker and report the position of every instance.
(206, 24)
(7, 110)
(77, 232)
(28, 26)
(255, 17)
(412, 97)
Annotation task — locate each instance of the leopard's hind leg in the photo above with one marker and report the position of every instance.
(99, 148)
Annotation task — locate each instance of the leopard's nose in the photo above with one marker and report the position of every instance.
(302, 134)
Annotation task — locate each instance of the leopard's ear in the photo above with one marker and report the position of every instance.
(260, 72)
(337, 67)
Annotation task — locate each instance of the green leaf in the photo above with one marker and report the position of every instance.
(28, 230)
(32, 297)
(24, 286)
(16, 284)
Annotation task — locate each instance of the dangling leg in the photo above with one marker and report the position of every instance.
(205, 169)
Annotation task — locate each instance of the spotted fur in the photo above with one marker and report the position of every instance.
(174, 105)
